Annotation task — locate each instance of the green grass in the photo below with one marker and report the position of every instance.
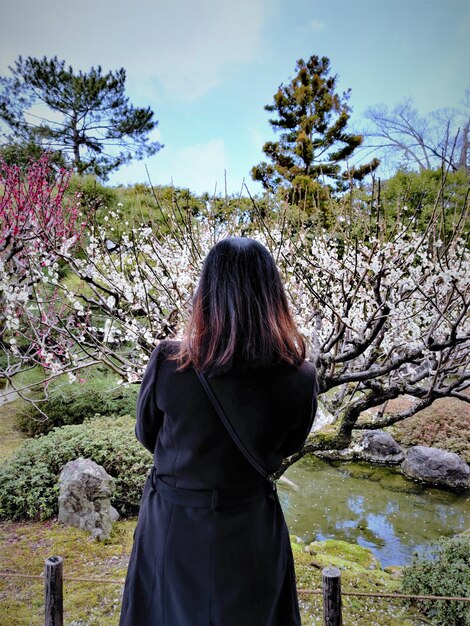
(29, 381)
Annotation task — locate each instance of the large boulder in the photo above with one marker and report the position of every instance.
(378, 446)
(373, 446)
(84, 500)
(436, 467)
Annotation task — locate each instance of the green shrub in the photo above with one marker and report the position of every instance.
(29, 479)
(72, 404)
(442, 425)
(92, 194)
(444, 572)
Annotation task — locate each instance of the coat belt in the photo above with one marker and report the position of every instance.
(212, 498)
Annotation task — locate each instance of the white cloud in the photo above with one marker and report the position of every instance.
(257, 136)
(200, 167)
(182, 47)
(317, 25)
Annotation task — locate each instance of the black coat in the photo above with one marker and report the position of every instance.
(227, 566)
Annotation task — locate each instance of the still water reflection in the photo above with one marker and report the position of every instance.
(372, 506)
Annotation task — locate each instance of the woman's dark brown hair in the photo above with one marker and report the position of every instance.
(240, 315)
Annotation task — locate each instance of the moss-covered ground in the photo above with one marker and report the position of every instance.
(25, 546)
(360, 572)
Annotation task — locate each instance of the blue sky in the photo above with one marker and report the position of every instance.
(208, 67)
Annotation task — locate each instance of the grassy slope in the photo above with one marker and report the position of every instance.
(10, 438)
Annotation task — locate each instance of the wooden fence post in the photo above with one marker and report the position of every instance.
(331, 585)
(53, 595)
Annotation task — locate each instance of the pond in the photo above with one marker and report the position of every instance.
(373, 506)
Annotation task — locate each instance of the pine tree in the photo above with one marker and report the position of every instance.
(311, 118)
(90, 119)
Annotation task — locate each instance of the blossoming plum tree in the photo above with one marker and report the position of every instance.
(37, 225)
(385, 319)
(384, 316)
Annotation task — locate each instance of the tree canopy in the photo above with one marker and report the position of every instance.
(405, 136)
(86, 116)
(311, 118)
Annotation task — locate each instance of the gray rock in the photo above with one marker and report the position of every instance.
(378, 446)
(84, 500)
(436, 467)
(374, 446)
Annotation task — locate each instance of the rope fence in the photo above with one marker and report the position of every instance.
(111, 581)
(331, 591)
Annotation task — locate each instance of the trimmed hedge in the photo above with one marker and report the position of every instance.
(29, 480)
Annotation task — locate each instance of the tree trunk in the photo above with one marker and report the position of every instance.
(464, 152)
(76, 146)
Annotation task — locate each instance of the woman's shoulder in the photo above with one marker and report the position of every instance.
(303, 376)
(308, 369)
(164, 349)
(167, 348)
(281, 373)
(162, 357)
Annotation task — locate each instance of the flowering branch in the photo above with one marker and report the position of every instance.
(385, 316)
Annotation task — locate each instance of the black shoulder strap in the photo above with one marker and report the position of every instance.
(231, 430)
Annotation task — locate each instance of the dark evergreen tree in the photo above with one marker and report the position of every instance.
(90, 119)
(23, 153)
(314, 143)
